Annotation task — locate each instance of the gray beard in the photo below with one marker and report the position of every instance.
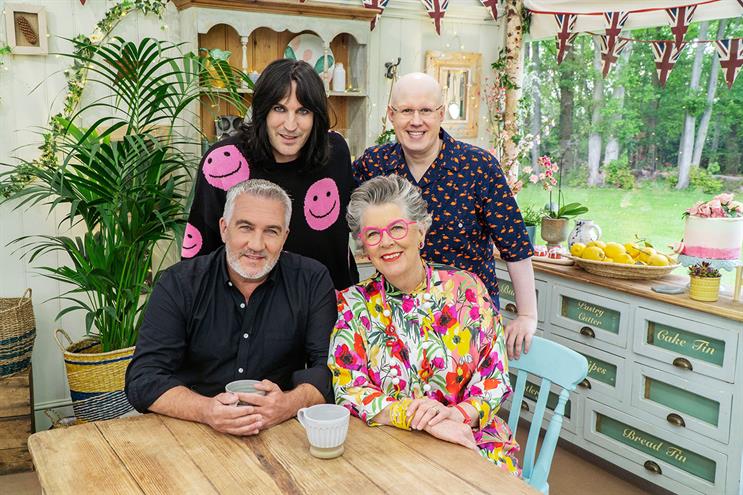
(233, 260)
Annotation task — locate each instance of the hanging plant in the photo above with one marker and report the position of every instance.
(76, 77)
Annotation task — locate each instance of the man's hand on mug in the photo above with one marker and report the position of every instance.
(223, 414)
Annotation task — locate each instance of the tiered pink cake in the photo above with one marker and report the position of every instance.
(713, 238)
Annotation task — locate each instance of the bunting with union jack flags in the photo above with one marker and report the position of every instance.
(492, 6)
(436, 10)
(375, 4)
(610, 54)
(680, 18)
(666, 54)
(565, 35)
(731, 58)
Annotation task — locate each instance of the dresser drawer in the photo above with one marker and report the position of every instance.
(572, 417)
(700, 407)
(507, 297)
(607, 374)
(668, 460)
(693, 347)
(588, 318)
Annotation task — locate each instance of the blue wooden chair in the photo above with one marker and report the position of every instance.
(553, 363)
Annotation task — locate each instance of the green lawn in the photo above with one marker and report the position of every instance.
(652, 212)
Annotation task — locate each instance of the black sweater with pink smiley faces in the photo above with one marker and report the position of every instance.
(318, 227)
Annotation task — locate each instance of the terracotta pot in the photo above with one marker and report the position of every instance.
(705, 289)
(554, 231)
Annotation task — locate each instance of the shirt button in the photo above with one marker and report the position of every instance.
(395, 380)
(245, 335)
(242, 305)
(229, 283)
(240, 370)
(393, 372)
(427, 296)
(459, 225)
(426, 387)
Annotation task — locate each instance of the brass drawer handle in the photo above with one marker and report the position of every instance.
(676, 420)
(511, 307)
(524, 406)
(585, 384)
(588, 332)
(652, 467)
(683, 363)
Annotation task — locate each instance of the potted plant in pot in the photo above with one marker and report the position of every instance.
(554, 228)
(119, 179)
(704, 284)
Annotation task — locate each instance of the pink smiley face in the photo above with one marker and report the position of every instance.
(192, 242)
(322, 204)
(225, 166)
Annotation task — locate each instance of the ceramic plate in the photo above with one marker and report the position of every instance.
(308, 47)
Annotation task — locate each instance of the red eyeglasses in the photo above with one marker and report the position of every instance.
(396, 229)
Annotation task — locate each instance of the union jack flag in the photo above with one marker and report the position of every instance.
(609, 54)
(731, 58)
(666, 54)
(614, 24)
(375, 4)
(565, 34)
(436, 10)
(492, 6)
(680, 19)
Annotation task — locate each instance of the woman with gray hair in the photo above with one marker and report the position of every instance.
(418, 345)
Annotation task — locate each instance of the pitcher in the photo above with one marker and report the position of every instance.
(584, 232)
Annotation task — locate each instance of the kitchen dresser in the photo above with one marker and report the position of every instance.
(664, 394)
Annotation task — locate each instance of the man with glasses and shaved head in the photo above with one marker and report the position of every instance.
(473, 208)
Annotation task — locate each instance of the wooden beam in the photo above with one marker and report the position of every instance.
(284, 7)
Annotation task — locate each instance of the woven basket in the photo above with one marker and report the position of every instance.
(96, 379)
(17, 333)
(618, 270)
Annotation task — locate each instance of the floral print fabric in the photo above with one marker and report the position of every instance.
(443, 341)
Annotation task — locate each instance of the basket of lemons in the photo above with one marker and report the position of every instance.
(633, 260)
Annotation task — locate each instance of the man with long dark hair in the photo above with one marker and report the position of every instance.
(287, 142)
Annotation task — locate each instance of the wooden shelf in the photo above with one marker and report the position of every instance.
(284, 7)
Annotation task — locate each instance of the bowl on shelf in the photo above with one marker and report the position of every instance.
(618, 270)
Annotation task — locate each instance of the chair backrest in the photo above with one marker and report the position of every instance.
(554, 364)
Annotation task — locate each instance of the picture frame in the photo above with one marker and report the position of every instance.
(26, 29)
(458, 73)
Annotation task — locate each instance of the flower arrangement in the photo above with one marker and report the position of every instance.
(721, 206)
(704, 270)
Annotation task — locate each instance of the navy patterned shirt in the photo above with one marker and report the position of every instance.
(471, 204)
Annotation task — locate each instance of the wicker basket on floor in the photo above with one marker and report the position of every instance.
(17, 333)
(619, 270)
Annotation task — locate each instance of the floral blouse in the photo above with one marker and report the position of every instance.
(443, 341)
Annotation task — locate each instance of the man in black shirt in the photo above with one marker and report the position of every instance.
(247, 310)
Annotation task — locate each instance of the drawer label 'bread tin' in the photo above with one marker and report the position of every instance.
(681, 458)
(689, 344)
(591, 315)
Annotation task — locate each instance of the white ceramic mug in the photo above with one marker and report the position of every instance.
(243, 387)
(326, 426)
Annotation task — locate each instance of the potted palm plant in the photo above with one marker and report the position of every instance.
(120, 179)
(704, 284)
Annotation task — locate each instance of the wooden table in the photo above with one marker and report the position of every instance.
(157, 454)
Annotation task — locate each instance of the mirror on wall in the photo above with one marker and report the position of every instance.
(458, 73)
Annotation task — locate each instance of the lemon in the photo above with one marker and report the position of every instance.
(608, 260)
(577, 248)
(657, 260)
(596, 243)
(624, 259)
(594, 253)
(632, 249)
(614, 249)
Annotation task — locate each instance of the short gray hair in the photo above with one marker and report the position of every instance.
(261, 189)
(382, 190)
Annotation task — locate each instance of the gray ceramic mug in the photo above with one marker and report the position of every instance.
(244, 387)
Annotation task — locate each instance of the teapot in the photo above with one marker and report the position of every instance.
(584, 232)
